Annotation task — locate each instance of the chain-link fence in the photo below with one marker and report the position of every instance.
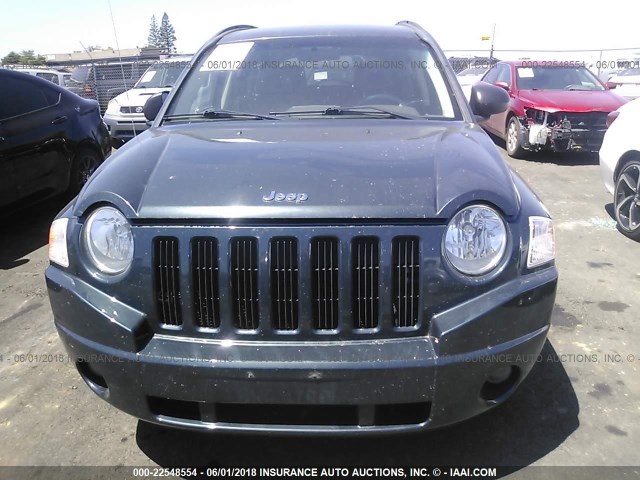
(103, 81)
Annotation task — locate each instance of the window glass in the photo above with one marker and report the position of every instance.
(52, 77)
(504, 74)
(314, 73)
(492, 75)
(556, 78)
(23, 97)
(162, 74)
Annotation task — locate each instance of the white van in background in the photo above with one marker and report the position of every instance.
(124, 116)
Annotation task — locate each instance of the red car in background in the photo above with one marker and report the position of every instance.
(557, 106)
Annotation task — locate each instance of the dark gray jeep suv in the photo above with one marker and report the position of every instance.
(314, 235)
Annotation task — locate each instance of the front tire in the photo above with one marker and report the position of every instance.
(85, 162)
(513, 143)
(626, 200)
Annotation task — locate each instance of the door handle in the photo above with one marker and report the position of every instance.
(58, 120)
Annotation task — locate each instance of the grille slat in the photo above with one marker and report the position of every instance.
(365, 271)
(324, 277)
(206, 291)
(406, 281)
(244, 282)
(284, 283)
(167, 281)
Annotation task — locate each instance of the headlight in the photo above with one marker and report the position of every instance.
(476, 240)
(58, 242)
(108, 240)
(113, 107)
(542, 243)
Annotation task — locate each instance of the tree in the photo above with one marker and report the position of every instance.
(153, 39)
(166, 35)
(12, 58)
(25, 57)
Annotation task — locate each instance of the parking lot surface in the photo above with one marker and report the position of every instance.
(578, 407)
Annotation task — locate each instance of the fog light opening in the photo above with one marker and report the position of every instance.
(94, 380)
(500, 382)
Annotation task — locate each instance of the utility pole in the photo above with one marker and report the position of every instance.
(493, 36)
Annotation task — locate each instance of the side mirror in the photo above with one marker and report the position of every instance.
(503, 85)
(611, 85)
(153, 105)
(487, 99)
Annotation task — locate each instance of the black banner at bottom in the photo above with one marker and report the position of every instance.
(430, 472)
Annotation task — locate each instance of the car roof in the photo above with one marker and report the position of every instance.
(319, 31)
(30, 78)
(38, 70)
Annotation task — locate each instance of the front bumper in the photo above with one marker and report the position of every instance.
(301, 386)
(561, 138)
(123, 128)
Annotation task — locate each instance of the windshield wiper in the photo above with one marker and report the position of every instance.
(331, 111)
(220, 114)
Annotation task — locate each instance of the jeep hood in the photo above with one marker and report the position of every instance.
(572, 101)
(349, 169)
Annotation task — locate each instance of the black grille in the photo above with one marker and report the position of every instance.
(206, 292)
(324, 279)
(244, 282)
(364, 290)
(406, 281)
(131, 110)
(588, 120)
(284, 283)
(287, 284)
(167, 280)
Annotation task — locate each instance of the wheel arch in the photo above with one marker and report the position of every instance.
(624, 159)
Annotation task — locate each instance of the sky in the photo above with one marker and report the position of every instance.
(61, 26)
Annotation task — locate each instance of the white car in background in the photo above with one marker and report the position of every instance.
(124, 116)
(620, 166)
(58, 77)
(468, 77)
(626, 83)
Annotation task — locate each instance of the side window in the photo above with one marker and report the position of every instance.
(504, 74)
(492, 74)
(24, 97)
(48, 76)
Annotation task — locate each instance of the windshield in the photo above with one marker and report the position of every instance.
(69, 81)
(304, 74)
(162, 74)
(556, 78)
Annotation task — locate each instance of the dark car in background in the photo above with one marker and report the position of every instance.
(314, 235)
(557, 106)
(51, 140)
(103, 81)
